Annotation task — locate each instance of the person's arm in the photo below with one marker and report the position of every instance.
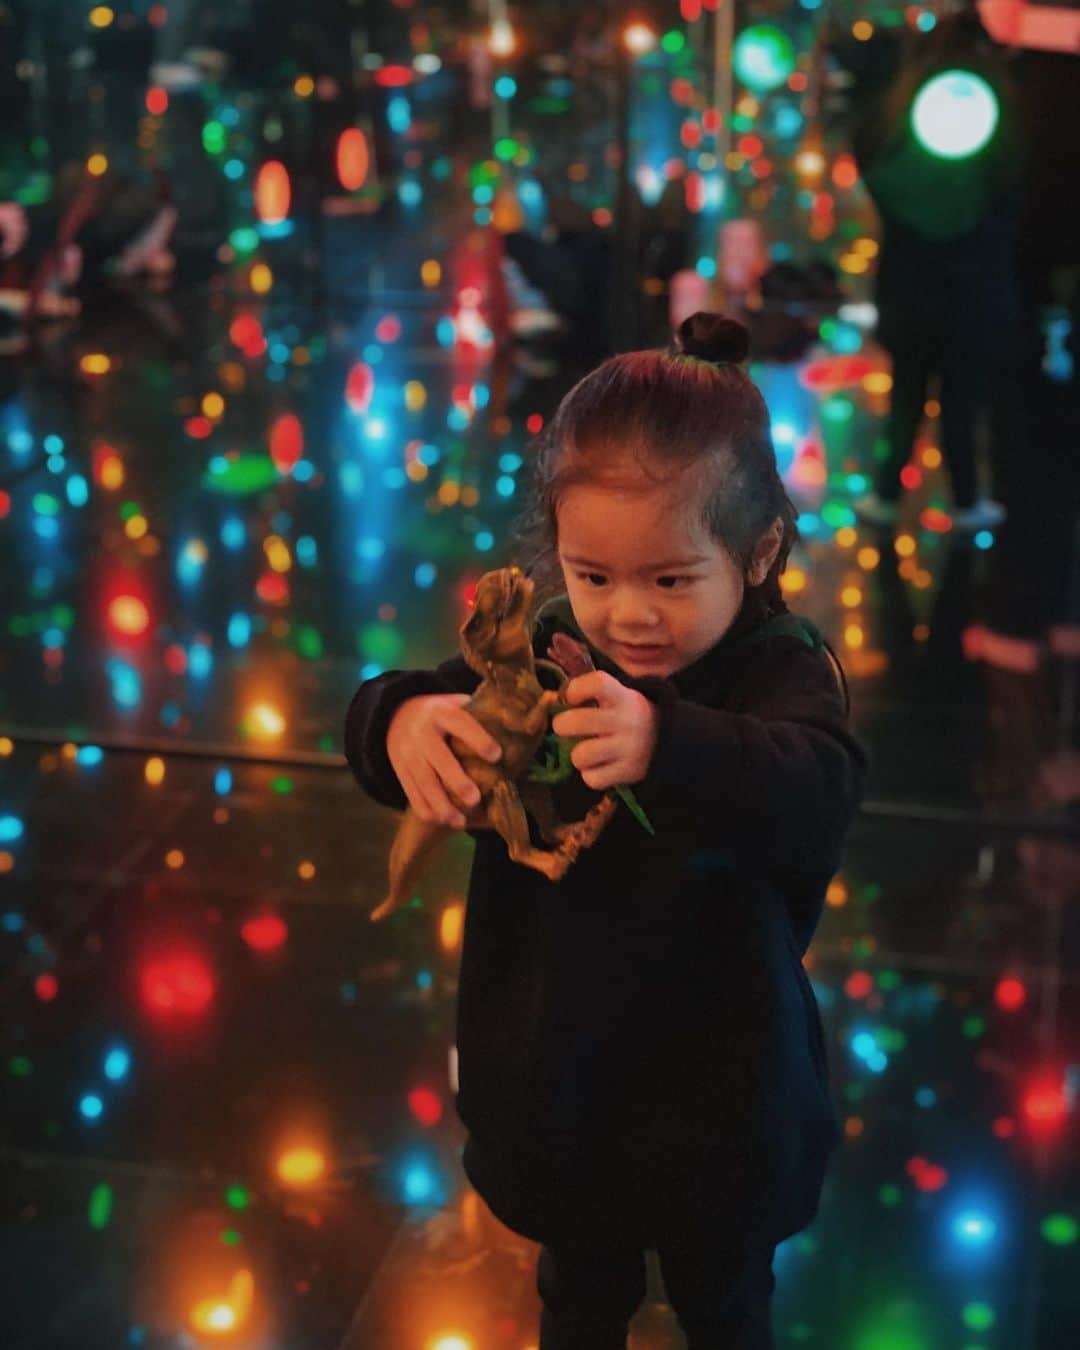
(777, 781)
(371, 711)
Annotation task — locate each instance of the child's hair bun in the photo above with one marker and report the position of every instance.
(713, 337)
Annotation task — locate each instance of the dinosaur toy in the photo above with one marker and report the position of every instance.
(511, 704)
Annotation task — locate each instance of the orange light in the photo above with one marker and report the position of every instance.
(502, 40)
(264, 721)
(273, 192)
(300, 1166)
(222, 1316)
(128, 616)
(353, 159)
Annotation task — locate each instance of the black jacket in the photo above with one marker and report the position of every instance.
(640, 1051)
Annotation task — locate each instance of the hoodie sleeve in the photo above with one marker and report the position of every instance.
(371, 711)
(781, 778)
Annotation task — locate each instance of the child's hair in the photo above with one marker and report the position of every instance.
(689, 406)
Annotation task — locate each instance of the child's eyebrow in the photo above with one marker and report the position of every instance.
(654, 567)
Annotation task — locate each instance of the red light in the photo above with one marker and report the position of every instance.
(388, 329)
(426, 1106)
(750, 146)
(273, 193)
(858, 985)
(534, 424)
(1010, 994)
(1004, 1127)
(46, 987)
(927, 1176)
(179, 982)
(910, 476)
(246, 332)
(393, 77)
(844, 174)
(710, 120)
(286, 442)
(266, 933)
(1044, 1104)
(836, 372)
(353, 159)
(272, 588)
(157, 101)
(128, 616)
(695, 191)
(175, 659)
(5, 504)
(198, 428)
(359, 387)
(690, 10)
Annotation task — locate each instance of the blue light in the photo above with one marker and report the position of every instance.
(279, 229)
(784, 433)
(200, 660)
(189, 565)
(170, 715)
(126, 684)
(419, 1184)
(78, 491)
(91, 1106)
(307, 551)
(20, 442)
(239, 630)
(371, 548)
(53, 638)
(423, 979)
(279, 352)
(12, 922)
(117, 1063)
(373, 353)
(424, 575)
(974, 1228)
(11, 828)
(809, 523)
(89, 756)
(926, 21)
(481, 395)
(395, 477)
(483, 194)
(52, 443)
(482, 215)
(445, 332)
(234, 169)
(55, 463)
(505, 485)
(370, 670)
(375, 428)
(223, 782)
(925, 1097)
(399, 114)
(531, 193)
(706, 267)
(787, 121)
(457, 419)
(352, 479)
(984, 539)
(410, 192)
(484, 540)
(506, 86)
(46, 527)
(857, 483)
(508, 462)
(233, 533)
(303, 471)
(275, 373)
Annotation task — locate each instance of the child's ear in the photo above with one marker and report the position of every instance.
(765, 552)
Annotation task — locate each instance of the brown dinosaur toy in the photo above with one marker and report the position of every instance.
(511, 704)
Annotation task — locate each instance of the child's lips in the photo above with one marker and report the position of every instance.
(643, 653)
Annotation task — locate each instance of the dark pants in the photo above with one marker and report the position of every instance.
(965, 381)
(721, 1298)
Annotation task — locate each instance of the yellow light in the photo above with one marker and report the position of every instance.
(415, 471)
(639, 38)
(868, 558)
(304, 86)
(155, 770)
(810, 163)
(905, 545)
(867, 247)
(854, 264)
(7, 745)
(136, 526)
(747, 106)
(877, 382)
(734, 161)
(907, 569)
(793, 581)
(430, 273)
(112, 472)
(854, 637)
(415, 395)
(502, 40)
(306, 870)
(69, 751)
(862, 30)
(174, 859)
(837, 894)
(301, 1166)
(213, 405)
(261, 278)
(449, 492)
(265, 721)
(95, 363)
(219, 1315)
(452, 1341)
(277, 553)
(931, 457)
(97, 165)
(845, 536)
(450, 927)
(851, 597)
(101, 16)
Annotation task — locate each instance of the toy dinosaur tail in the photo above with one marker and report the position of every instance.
(410, 853)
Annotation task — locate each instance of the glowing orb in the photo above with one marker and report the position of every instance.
(955, 114)
(128, 616)
(179, 982)
(265, 933)
(764, 57)
(218, 1315)
(301, 1166)
(359, 387)
(286, 442)
(353, 159)
(273, 193)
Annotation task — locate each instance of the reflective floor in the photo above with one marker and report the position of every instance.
(228, 1115)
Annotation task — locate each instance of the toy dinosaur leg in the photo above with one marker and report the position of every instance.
(415, 840)
(508, 816)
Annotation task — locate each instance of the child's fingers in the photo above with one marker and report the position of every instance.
(441, 810)
(452, 776)
(465, 727)
(583, 722)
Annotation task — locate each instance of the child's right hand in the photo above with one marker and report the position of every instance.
(426, 767)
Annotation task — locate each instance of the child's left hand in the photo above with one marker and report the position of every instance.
(621, 732)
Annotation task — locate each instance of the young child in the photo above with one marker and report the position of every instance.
(641, 1057)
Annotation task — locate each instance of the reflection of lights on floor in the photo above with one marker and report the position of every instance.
(220, 1316)
(265, 721)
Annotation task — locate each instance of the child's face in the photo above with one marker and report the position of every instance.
(618, 548)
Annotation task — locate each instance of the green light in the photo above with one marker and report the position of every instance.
(213, 138)
(382, 643)
(979, 1317)
(100, 1208)
(1059, 1229)
(673, 41)
(245, 239)
(954, 114)
(282, 785)
(237, 1197)
(973, 1028)
(764, 57)
(506, 148)
(242, 476)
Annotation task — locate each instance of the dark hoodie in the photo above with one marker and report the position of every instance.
(640, 1052)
